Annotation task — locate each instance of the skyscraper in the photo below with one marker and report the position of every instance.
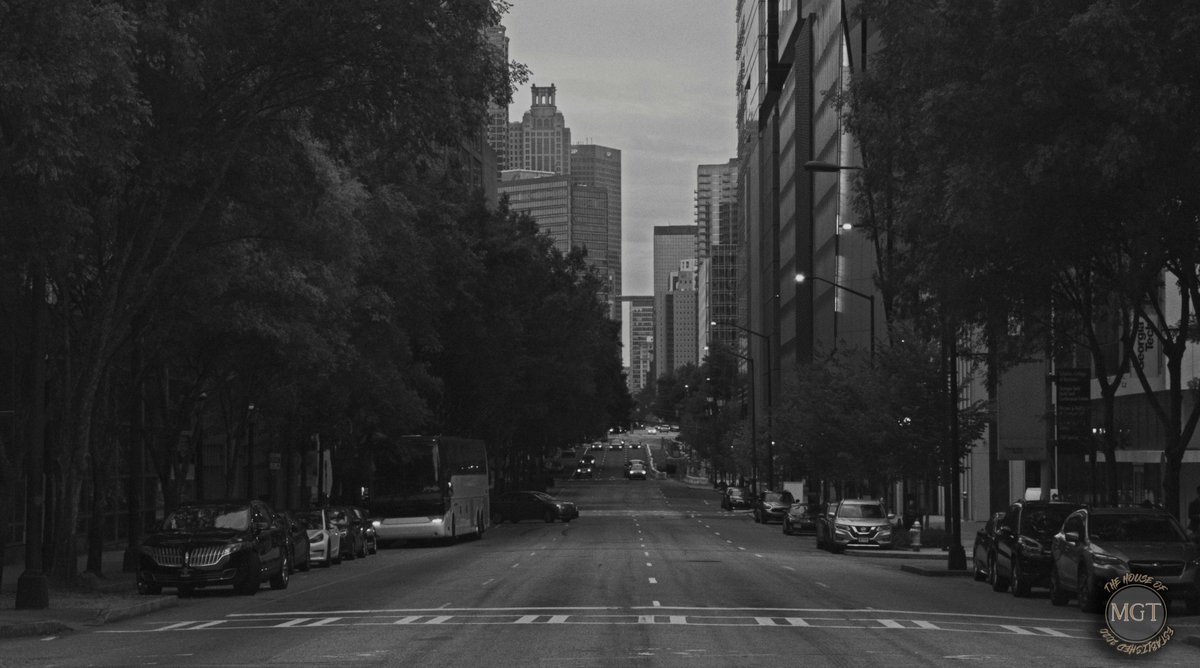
(717, 247)
(674, 246)
(497, 130)
(600, 166)
(541, 140)
(637, 341)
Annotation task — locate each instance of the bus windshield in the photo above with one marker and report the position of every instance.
(406, 481)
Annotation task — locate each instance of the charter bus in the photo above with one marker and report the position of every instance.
(428, 487)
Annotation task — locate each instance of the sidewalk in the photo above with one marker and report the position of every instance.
(94, 601)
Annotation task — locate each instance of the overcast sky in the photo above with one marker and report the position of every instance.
(653, 78)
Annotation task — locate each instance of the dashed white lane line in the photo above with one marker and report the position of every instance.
(649, 565)
(653, 581)
(741, 548)
(822, 584)
(759, 556)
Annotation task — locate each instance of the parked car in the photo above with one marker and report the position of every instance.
(298, 551)
(735, 498)
(800, 516)
(1096, 545)
(1021, 552)
(369, 531)
(212, 543)
(984, 539)
(354, 540)
(772, 506)
(517, 506)
(324, 538)
(857, 522)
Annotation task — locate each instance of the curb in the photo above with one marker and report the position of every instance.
(103, 616)
(898, 555)
(108, 615)
(24, 629)
(933, 572)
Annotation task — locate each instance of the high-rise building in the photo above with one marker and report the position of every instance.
(497, 129)
(718, 230)
(574, 216)
(637, 341)
(600, 166)
(541, 140)
(674, 297)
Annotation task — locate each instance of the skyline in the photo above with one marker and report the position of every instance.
(656, 80)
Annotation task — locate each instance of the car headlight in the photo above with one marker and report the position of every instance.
(231, 548)
(1102, 559)
(842, 527)
(1030, 545)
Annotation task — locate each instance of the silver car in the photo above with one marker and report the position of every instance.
(855, 522)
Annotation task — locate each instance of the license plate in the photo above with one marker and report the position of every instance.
(860, 540)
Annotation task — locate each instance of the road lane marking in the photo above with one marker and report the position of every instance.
(653, 581)
(1051, 632)
(293, 622)
(440, 619)
(558, 619)
(649, 565)
(656, 604)
(1018, 630)
(207, 625)
(327, 620)
(527, 619)
(407, 620)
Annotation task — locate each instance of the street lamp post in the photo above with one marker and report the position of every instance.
(800, 278)
(770, 406)
(250, 452)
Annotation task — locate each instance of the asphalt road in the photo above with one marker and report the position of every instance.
(652, 574)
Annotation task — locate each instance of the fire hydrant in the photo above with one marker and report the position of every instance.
(914, 536)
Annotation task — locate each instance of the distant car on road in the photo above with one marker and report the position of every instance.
(772, 506)
(857, 522)
(800, 517)
(1099, 544)
(583, 471)
(636, 472)
(735, 498)
(526, 505)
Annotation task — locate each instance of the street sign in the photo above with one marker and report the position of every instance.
(1074, 404)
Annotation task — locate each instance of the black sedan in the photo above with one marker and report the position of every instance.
(517, 506)
(212, 543)
(985, 538)
(298, 547)
(800, 517)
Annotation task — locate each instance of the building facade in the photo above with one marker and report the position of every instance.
(600, 166)
(637, 339)
(541, 140)
(497, 128)
(718, 241)
(675, 297)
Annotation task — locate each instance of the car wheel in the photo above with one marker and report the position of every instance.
(1089, 593)
(980, 573)
(280, 579)
(549, 517)
(998, 583)
(307, 564)
(375, 543)
(1058, 596)
(336, 559)
(787, 528)
(1018, 582)
(149, 588)
(497, 517)
(248, 577)
(362, 549)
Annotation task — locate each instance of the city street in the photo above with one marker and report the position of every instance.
(652, 573)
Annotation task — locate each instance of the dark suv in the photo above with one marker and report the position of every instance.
(212, 543)
(772, 506)
(1020, 556)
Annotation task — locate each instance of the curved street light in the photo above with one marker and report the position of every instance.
(800, 278)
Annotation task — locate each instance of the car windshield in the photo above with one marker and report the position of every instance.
(1044, 522)
(208, 518)
(734, 491)
(861, 510)
(1134, 528)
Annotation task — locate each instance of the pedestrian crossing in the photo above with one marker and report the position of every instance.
(797, 620)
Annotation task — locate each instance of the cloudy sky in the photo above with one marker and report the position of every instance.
(653, 78)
